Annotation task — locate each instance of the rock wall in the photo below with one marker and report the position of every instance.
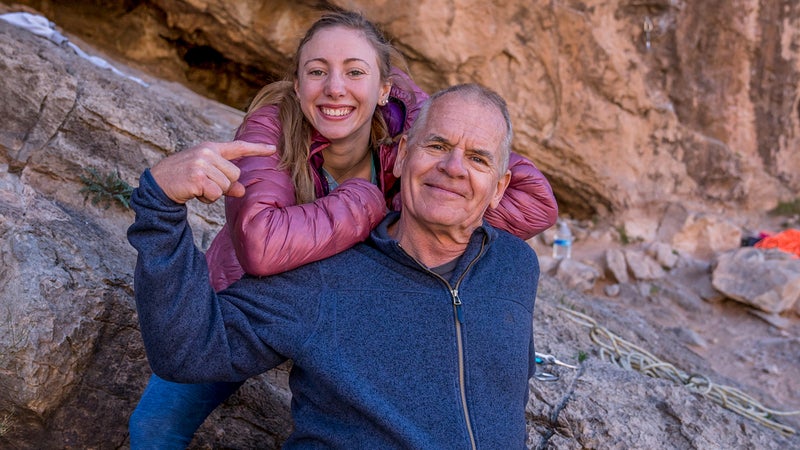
(72, 364)
(627, 106)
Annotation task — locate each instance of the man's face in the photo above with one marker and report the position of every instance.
(450, 171)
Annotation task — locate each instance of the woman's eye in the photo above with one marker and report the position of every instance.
(356, 72)
(316, 73)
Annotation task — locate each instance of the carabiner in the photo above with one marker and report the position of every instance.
(546, 376)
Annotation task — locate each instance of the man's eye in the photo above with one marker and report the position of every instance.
(479, 160)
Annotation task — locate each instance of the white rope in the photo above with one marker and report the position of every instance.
(630, 356)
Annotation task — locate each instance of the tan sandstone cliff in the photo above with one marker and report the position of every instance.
(707, 116)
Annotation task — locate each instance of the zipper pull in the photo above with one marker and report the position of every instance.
(457, 304)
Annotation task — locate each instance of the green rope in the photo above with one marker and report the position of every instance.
(629, 356)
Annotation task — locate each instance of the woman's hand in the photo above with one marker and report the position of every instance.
(204, 171)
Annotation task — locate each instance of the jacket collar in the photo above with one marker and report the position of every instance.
(481, 238)
(318, 143)
(386, 158)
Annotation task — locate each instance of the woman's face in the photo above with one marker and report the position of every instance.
(339, 84)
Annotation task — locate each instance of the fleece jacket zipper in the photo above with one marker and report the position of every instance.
(459, 321)
(458, 316)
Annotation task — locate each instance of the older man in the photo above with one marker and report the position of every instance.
(421, 337)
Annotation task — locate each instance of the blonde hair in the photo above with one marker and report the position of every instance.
(295, 143)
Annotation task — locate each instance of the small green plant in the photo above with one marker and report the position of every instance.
(623, 235)
(786, 208)
(106, 188)
(582, 356)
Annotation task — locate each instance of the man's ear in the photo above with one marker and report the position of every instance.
(502, 184)
(402, 154)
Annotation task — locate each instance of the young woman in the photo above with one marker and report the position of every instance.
(335, 122)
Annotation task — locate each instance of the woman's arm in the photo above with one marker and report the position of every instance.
(528, 206)
(267, 232)
(272, 234)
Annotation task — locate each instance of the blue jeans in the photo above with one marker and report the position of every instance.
(169, 413)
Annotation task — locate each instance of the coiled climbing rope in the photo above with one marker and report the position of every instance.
(630, 356)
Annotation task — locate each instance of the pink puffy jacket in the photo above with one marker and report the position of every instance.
(267, 232)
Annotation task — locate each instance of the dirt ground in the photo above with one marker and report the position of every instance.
(730, 343)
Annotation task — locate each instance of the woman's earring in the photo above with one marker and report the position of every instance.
(383, 102)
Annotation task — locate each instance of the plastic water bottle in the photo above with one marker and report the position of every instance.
(562, 245)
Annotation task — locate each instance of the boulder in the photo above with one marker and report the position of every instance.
(703, 236)
(616, 264)
(663, 254)
(765, 279)
(72, 365)
(642, 266)
(577, 275)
